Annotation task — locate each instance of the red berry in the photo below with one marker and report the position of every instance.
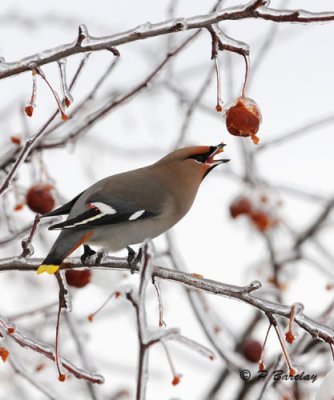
(262, 366)
(261, 220)
(4, 353)
(39, 367)
(290, 337)
(241, 205)
(176, 380)
(15, 140)
(252, 350)
(78, 279)
(18, 207)
(64, 116)
(243, 118)
(29, 109)
(67, 102)
(62, 378)
(39, 198)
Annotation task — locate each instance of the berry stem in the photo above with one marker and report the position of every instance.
(29, 109)
(39, 71)
(67, 97)
(176, 376)
(264, 345)
(219, 107)
(57, 341)
(115, 294)
(247, 67)
(292, 370)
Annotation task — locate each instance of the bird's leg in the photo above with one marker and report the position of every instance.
(138, 256)
(99, 256)
(133, 259)
(130, 258)
(88, 252)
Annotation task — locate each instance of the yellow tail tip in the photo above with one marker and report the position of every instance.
(49, 268)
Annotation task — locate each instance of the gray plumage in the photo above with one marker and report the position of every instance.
(127, 208)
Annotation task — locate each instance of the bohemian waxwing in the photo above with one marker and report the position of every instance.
(130, 207)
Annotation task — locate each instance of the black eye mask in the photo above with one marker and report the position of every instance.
(202, 158)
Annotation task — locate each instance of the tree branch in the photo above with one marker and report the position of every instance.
(48, 352)
(242, 293)
(87, 43)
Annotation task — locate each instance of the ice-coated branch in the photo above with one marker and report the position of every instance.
(227, 43)
(206, 320)
(137, 298)
(23, 231)
(48, 352)
(191, 108)
(113, 103)
(48, 393)
(33, 140)
(315, 225)
(242, 293)
(87, 43)
(27, 249)
(204, 351)
(308, 128)
(67, 97)
(149, 336)
(81, 349)
(89, 121)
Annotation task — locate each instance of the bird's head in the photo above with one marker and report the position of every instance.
(183, 170)
(196, 160)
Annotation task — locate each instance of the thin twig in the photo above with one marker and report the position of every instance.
(31, 379)
(49, 352)
(26, 242)
(86, 43)
(76, 335)
(315, 225)
(242, 293)
(192, 108)
(32, 141)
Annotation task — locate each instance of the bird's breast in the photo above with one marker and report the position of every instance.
(117, 237)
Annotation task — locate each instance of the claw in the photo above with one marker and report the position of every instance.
(50, 269)
(131, 258)
(88, 252)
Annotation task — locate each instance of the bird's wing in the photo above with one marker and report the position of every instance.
(105, 213)
(64, 209)
(118, 199)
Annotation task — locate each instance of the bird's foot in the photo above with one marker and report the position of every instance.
(133, 259)
(86, 258)
(99, 256)
(139, 256)
(49, 268)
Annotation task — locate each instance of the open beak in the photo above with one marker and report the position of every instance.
(214, 150)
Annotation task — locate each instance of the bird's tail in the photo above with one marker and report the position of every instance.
(66, 243)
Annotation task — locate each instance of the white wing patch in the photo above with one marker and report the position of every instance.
(85, 221)
(136, 215)
(103, 210)
(102, 207)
